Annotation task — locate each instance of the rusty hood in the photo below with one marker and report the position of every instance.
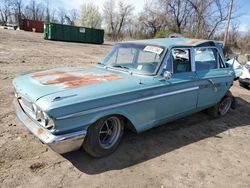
(39, 84)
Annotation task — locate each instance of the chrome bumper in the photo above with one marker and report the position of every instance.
(59, 143)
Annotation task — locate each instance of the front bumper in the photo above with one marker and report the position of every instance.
(59, 143)
(245, 81)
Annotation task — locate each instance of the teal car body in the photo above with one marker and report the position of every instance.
(59, 105)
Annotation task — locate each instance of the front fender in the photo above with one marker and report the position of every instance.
(82, 122)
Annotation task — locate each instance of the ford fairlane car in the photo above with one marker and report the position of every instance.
(138, 85)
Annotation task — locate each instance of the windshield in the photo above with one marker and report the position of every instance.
(139, 58)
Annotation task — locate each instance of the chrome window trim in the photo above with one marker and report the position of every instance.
(193, 67)
(85, 112)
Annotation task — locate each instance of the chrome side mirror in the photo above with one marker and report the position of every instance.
(167, 75)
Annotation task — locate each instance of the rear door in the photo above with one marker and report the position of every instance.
(215, 78)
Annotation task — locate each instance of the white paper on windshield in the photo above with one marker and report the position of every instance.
(154, 49)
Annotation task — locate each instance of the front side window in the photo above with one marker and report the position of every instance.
(206, 58)
(139, 58)
(181, 60)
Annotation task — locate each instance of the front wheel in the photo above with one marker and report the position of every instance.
(222, 107)
(104, 136)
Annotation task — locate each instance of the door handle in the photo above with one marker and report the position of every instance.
(213, 84)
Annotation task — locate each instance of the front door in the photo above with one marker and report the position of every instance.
(181, 90)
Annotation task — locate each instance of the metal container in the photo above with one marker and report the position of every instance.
(32, 25)
(69, 33)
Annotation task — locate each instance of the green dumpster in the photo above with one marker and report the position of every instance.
(60, 32)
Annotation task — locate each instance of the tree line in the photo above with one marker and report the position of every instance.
(158, 18)
(12, 11)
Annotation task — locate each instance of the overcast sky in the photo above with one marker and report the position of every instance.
(243, 8)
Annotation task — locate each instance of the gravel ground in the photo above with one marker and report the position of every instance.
(196, 151)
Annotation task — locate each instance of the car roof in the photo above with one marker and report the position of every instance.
(171, 42)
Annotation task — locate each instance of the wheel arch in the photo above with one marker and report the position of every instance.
(128, 123)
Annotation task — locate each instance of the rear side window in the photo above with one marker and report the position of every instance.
(206, 58)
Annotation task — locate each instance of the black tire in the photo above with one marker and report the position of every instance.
(94, 143)
(217, 111)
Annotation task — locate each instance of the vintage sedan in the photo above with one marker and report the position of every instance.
(138, 85)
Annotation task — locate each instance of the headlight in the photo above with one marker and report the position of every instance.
(34, 108)
(46, 121)
(42, 117)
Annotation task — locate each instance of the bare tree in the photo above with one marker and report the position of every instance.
(152, 18)
(110, 16)
(5, 12)
(217, 16)
(89, 16)
(71, 17)
(233, 35)
(178, 11)
(228, 21)
(35, 11)
(17, 6)
(208, 16)
(61, 15)
(116, 19)
(200, 8)
(125, 11)
(53, 15)
(47, 11)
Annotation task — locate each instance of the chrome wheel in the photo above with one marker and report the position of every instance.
(110, 132)
(225, 106)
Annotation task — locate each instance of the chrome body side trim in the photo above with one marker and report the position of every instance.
(59, 143)
(127, 103)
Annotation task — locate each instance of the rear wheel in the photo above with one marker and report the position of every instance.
(222, 107)
(104, 136)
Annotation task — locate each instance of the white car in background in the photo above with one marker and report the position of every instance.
(245, 77)
(236, 66)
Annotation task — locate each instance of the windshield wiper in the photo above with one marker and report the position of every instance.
(120, 66)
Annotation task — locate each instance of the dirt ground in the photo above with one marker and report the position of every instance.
(196, 151)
